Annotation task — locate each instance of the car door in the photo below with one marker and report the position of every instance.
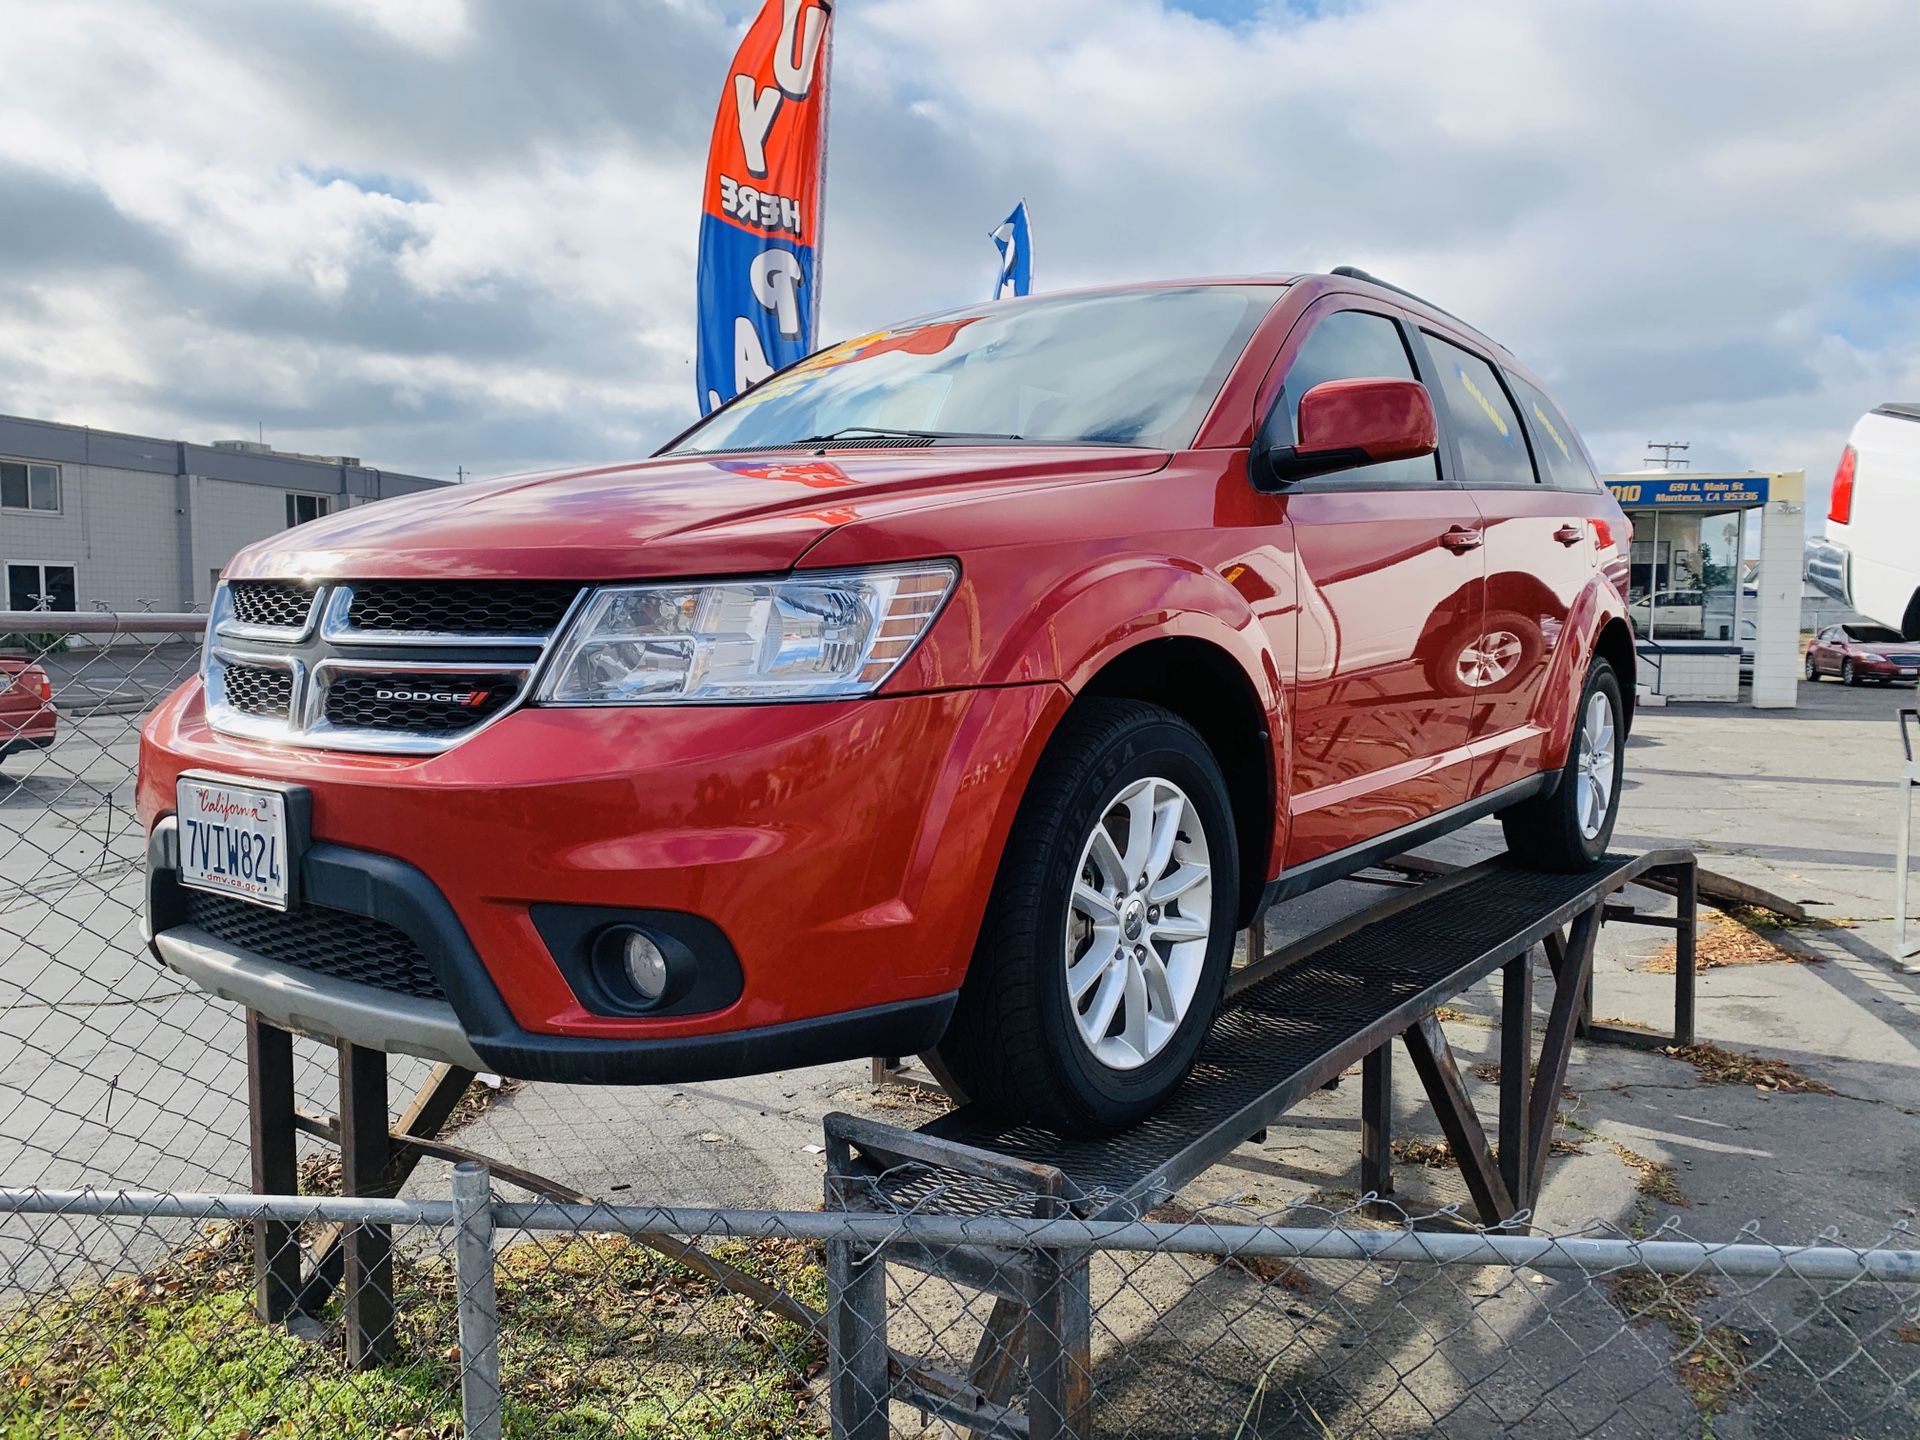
(1389, 568)
(1825, 650)
(1540, 554)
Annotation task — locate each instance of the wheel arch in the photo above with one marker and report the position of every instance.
(1207, 687)
(1614, 644)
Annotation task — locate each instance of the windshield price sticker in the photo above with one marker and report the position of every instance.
(233, 841)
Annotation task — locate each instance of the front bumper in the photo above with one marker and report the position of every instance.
(472, 1027)
(843, 850)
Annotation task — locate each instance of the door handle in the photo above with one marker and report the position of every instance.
(1568, 534)
(1460, 539)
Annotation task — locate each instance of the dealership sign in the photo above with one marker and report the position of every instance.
(1663, 491)
(760, 212)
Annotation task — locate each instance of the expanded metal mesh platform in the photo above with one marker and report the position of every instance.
(1282, 1037)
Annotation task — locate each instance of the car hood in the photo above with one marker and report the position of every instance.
(670, 516)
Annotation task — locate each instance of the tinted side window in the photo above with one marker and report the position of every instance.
(1493, 451)
(1350, 345)
(1558, 451)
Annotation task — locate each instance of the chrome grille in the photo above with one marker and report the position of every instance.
(459, 607)
(386, 666)
(430, 704)
(334, 943)
(276, 604)
(260, 690)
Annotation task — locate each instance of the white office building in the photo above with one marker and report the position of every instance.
(91, 519)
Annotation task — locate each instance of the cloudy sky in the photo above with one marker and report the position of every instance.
(447, 234)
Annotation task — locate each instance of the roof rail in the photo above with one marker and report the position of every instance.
(1354, 272)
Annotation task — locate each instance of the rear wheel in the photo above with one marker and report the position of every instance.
(1813, 668)
(1109, 929)
(1569, 829)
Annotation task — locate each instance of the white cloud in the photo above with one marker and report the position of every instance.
(437, 26)
(463, 233)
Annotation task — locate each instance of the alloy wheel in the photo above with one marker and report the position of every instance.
(1595, 769)
(1138, 924)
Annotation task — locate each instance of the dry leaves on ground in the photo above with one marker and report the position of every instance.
(1719, 1066)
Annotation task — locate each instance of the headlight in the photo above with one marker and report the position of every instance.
(819, 636)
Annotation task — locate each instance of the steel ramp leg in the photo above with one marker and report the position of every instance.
(1556, 1049)
(276, 1167)
(997, 1358)
(1376, 1123)
(1433, 1061)
(1516, 1068)
(1059, 1346)
(366, 1250)
(858, 1386)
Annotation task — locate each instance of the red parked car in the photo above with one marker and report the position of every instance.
(28, 720)
(1859, 653)
(966, 685)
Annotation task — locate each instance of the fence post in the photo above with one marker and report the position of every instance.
(479, 1315)
(858, 1386)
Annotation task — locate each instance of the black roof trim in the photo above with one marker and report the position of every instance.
(1354, 272)
(1900, 409)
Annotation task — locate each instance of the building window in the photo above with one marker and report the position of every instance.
(39, 587)
(25, 485)
(302, 508)
(1685, 580)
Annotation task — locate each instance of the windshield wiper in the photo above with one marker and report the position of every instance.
(890, 432)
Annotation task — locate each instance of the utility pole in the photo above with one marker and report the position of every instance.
(1665, 458)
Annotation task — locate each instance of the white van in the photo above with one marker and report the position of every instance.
(1869, 558)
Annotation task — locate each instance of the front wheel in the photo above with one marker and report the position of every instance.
(1569, 829)
(1109, 929)
(1848, 675)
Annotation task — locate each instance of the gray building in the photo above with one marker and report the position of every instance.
(91, 519)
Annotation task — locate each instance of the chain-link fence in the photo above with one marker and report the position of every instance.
(139, 1314)
(117, 1071)
(545, 1319)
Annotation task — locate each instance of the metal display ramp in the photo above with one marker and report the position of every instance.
(1294, 1021)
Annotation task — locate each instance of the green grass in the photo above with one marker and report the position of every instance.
(600, 1337)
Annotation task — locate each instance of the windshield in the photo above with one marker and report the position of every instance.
(1127, 368)
(1874, 634)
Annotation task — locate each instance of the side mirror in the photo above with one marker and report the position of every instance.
(1345, 423)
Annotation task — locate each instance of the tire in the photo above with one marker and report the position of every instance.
(1018, 1043)
(1813, 669)
(1551, 832)
(1847, 675)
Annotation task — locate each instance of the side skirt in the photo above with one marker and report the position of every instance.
(1342, 863)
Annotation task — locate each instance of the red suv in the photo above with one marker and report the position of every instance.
(965, 686)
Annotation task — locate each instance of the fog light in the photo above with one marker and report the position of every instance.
(644, 965)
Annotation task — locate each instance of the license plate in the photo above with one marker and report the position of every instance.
(1910, 670)
(234, 840)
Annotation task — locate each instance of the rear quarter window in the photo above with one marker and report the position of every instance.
(1557, 449)
(1493, 448)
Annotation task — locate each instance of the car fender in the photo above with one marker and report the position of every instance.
(1597, 606)
(1098, 614)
